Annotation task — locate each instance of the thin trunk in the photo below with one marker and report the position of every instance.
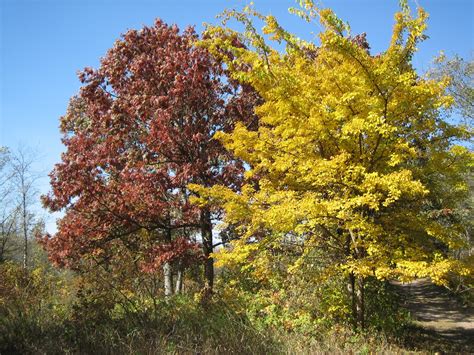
(167, 271)
(25, 233)
(352, 293)
(355, 285)
(4, 243)
(206, 234)
(350, 281)
(360, 302)
(168, 275)
(179, 279)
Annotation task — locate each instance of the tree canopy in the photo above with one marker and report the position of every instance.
(137, 133)
(352, 155)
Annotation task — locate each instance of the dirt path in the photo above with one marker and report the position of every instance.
(443, 323)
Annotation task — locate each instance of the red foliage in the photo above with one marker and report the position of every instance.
(138, 132)
(179, 249)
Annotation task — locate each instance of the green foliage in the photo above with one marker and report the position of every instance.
(308, 300)
(384, 313)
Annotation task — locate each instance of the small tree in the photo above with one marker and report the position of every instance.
(7, 211)
(23, 183)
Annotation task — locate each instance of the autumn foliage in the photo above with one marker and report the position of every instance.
(138, 132)
(352, 157)
(325, 169)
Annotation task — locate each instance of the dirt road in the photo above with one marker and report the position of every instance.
(443, 324)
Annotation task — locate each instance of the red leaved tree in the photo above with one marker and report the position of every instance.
(137, 134)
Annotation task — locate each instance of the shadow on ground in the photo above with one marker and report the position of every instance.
(441, 323)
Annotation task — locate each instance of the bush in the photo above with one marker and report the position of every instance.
(31, 301)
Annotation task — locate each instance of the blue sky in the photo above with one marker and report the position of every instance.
(45, 42)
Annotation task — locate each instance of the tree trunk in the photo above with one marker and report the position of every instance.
(360, 302)
(168, 275)
(357, 283)
(351, 289)
(206, 234)
(167, 271)
(351, 280)
(179, 279)
(25, 232)
(355, 286)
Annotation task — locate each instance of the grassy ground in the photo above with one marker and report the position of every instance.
(38, 316)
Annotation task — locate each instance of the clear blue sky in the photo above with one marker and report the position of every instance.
(44, 43)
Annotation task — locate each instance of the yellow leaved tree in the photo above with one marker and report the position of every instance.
(352, 155)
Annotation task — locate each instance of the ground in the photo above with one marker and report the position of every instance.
(441, 323)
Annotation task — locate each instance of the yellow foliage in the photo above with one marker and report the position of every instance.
(350, 153)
